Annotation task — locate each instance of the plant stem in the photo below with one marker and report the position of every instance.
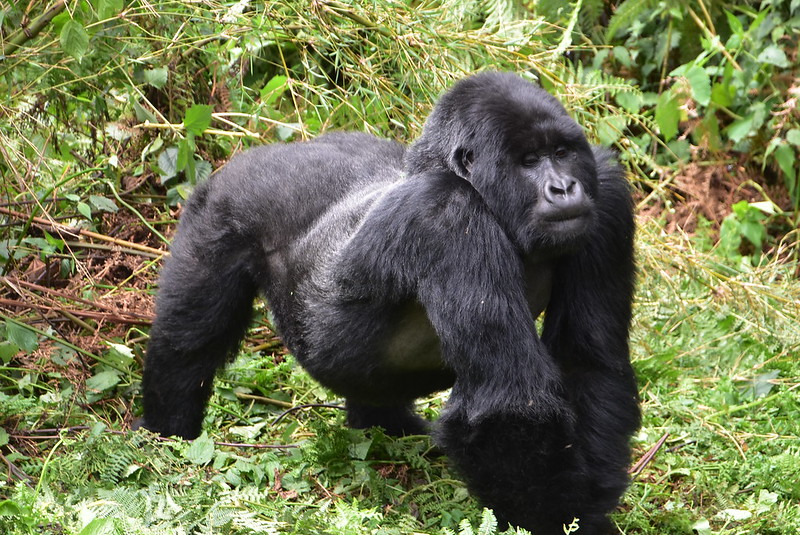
(25, 34)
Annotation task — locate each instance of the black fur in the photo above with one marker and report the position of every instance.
(394, 273)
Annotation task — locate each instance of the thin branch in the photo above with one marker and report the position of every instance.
(31, 286)
(15, 472)
(97, 316)
(306, 406)
(262, 399)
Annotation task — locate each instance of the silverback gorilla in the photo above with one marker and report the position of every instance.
(393, 273)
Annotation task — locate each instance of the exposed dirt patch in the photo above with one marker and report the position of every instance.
(710, 191)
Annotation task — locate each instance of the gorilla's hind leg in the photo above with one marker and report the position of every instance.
(203, 309)
(397, 420)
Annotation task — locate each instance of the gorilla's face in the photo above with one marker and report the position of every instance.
(527, 158)
(550, 165)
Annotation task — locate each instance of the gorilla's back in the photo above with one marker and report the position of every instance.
(267, 189)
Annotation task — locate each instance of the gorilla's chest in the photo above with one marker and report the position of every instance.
(412, 343)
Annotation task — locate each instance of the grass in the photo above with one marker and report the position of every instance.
(715, 351)
(89, 202)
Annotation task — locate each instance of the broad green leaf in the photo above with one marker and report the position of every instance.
(753, 231)
(285, 132)
(274, 89)
(767, 207)
(84, 210)
(121, 352)
(157, 77)
(623, 55)
(9, 508)
(103, 203)
(185, 153)
(729, 236)
(168, 163)
(610, 128)
(203, 170)
(734, 23)
(773, 55)
(630, 100)
(74, 39)
(360, 450)
(722, 94)
(103, 381)
(99, 526)
(107, 9)
(24, 338)
(786, 158)
(55, 243)
(667, 115)
(197, 118)
(200, 451)
(7, 351)
(3, 437)
(143, 114)
(740, 128)
(793, 136)
(700, 83)
(741, 209)
(119, 355)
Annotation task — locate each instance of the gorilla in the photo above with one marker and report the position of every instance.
(396, 272)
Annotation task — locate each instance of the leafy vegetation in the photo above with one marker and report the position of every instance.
(112, 111)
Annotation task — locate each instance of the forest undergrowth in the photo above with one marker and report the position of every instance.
(111, 112)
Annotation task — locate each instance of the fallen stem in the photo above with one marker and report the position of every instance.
(59, 228)
(637, 468)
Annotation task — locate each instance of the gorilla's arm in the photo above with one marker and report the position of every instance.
(507, 425)
(437, 242)
(586, 328)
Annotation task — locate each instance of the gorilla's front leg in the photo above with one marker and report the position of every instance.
(586, 330)
(508, 426)
(518, 457)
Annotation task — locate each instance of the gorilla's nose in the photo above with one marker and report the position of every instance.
(566, 196)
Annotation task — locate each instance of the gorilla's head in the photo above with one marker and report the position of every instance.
(521, 151)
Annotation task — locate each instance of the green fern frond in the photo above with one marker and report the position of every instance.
(626, 13)
(488, 523)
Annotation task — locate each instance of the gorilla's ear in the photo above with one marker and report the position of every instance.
(462, 162)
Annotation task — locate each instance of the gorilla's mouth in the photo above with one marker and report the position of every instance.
(561, 217)
(565, 215)
(564, 226)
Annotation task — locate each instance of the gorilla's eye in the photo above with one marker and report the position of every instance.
(530, 159)
(560, 153)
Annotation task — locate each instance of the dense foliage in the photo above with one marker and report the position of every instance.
(111, 111)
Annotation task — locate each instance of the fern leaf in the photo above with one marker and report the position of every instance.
(625, 14)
